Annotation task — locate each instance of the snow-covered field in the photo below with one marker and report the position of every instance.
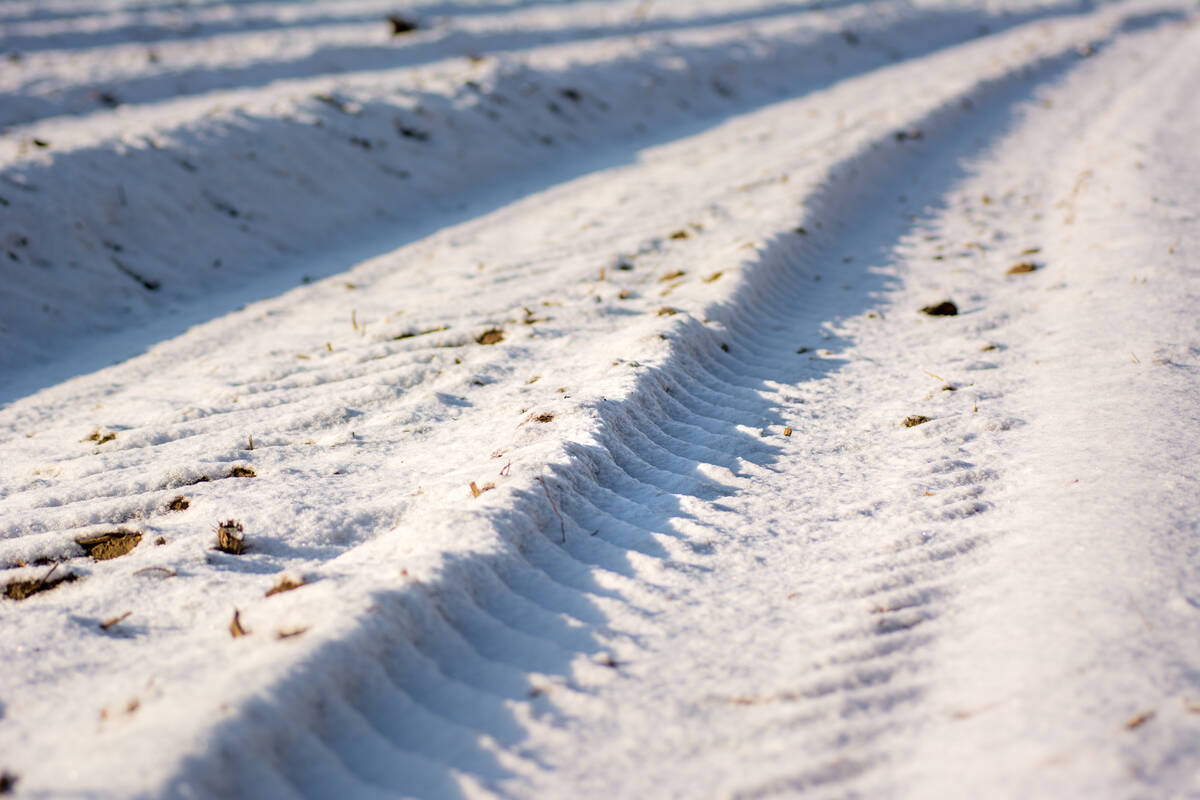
(560, 372)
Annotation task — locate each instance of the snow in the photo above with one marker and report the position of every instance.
(706, 556)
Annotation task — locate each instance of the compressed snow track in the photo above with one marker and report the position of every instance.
(714, 562)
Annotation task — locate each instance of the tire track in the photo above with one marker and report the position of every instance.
(881, 607)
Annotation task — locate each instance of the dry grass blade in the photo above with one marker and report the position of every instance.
(1139, 720)
(235, 626)
(285, 584)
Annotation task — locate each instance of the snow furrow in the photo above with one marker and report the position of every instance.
(263, 177)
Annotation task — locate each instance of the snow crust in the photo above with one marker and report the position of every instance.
(562, 360)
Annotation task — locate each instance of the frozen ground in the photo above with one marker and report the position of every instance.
(567, 356)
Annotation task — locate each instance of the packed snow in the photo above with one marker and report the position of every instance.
(623, 398)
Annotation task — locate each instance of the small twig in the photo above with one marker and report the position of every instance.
(561, 523)
(46, 577)
(170, 573)
(108, 623)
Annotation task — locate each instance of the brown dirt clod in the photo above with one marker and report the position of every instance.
(242, 472)
(946, 308)
(544, 418)
(22, 590)
(914, 420)
(491, 336)
(680, 234)
(672, 275)
(1022, 268)
(110, 545)
(230, 537)
(100, 437)
(401, 25)
(667, 311)
(178, 504)
(8, 782)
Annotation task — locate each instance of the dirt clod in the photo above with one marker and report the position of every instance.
(230, 537)
(946, 308)
(491, 336)
(99, 437)
(242, 472)
(914, 420)
(667, 311)
(1022, 268)
(21, 590)
(8, 782)
(110, 545)
(544, 418)
(672, 275)
(680, 234)
(180, 503)
(402, 25)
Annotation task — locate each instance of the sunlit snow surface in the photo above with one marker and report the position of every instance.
(566, 356)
